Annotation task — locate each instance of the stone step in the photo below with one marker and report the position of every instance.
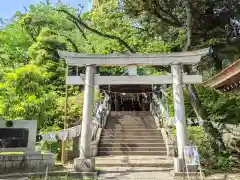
(134, 123)
(131, 145)
(133, 119)
(124, 136)
(119, 126)
(134, 136)
(134, 130)
(195, 175)
(106, 141)
(134, 164)
(106, 138)
(132, 153)
(126, 118)
(134, 173)
(131, 134)
(139, 119)
(126, 128)
(130, 161)
(133, 158)
(124, 148)
(133, 113)
(132, 126)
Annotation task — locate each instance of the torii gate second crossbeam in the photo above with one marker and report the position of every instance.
(90, 79)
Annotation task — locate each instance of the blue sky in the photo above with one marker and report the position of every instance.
(9, 7)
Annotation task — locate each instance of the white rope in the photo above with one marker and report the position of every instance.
(108, 91)
(46, 174)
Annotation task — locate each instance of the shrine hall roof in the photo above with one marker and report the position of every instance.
(228, 77)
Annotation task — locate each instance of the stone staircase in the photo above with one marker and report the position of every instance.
(131, 139)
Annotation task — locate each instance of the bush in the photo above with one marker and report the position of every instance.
(208, 159)
(225, 161)
(53, 147)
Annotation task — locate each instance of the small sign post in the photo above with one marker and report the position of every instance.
(191, 158)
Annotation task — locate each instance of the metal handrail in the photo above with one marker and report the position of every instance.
(100, 113)
(161, 112)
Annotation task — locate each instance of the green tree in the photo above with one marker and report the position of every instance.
(24, 96)
(44, 53)
(14, 43)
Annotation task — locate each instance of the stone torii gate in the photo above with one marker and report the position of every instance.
(91, 79)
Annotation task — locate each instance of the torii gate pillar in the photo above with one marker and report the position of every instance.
(179, 112)
(85, 162)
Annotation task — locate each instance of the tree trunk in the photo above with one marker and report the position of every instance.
(188, 24)
(216, 138)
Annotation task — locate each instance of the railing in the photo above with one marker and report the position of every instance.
(101, 111)
(100, 115)
(167, 123)
(161, 111)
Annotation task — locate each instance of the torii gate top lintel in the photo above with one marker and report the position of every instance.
(164, 59)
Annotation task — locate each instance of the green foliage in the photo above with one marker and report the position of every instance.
(209, 159)
(53, 147)
(223, 108)
(108, 71)
(169, 97)
(23, 95)
(225, 161)
(212, 26)
(109, 19)
(27, 80)
(14, 43)
(74, 109)
(188, 107)
(44, 53)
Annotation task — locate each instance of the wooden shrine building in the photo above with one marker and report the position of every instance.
(227, 80)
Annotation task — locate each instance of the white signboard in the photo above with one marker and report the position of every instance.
(191, 156)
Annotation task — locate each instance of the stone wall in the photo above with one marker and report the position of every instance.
(230, 134)
(35, 162)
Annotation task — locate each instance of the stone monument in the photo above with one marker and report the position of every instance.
(17, 144)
